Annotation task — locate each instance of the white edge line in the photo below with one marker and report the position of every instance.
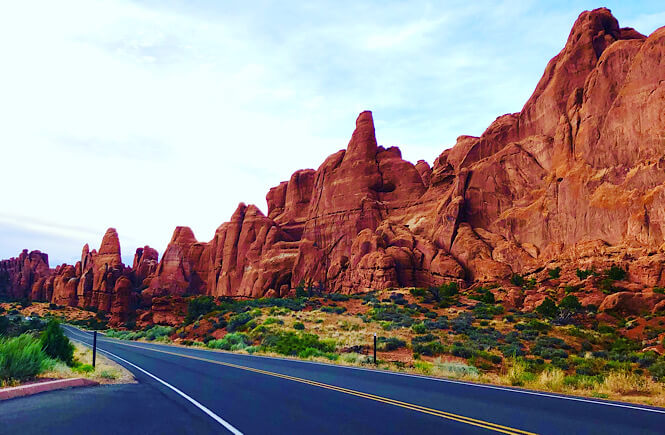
(214, 416)
(451, 381)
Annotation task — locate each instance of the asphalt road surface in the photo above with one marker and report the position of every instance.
(188, 390)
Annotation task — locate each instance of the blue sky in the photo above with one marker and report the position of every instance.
(147, 115)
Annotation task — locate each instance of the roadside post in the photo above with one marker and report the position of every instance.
(375, 348)
(94, 348)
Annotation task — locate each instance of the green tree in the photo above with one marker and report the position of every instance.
(554, 273)
(570, 302)
(547, 308)
(198, 307)
(56, 344)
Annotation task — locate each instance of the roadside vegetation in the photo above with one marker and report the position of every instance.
(557, 344)
(36, 348)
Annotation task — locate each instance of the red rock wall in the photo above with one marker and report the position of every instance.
(579, 169)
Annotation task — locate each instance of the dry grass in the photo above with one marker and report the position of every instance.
(106, 371)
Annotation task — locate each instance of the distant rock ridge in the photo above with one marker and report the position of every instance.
(578, 175)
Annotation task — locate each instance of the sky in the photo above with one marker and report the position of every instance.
(145, 115)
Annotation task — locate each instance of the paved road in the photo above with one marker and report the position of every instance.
(185, 390)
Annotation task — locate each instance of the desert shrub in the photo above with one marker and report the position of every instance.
(517, 280)
(300, 290)
(512, 350)
(615, 273)
(430, 348)
(607, 285)
(158, 332)
(338, 297)
(419, 328)
(554, 273)
(659, 290)
(273, 320)
(198, 307)
(550, 348)
(424, 338)
(22, 357)
(624, 346)
(443, 295)
(547, 308)
(584, 273)
(423, 367)
(331, 309)
(231, 341)
(56, 344)
(657, 371)
(440, 323)
(82, 368)
(462, 323)
(486, 311)
(462, 351)
(570, 302)
(418, 292)
(389, 343)
(299, 326)
(533, 325)
(519, 372)
(238, 322)
(397, 315)
(455, 369)
(290, 343)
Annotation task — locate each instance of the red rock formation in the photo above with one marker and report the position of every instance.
(24, 276)
(575, 178)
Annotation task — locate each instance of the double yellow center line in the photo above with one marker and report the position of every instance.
(447, 415)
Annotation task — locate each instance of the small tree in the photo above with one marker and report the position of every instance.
(570, 302)
(300, 290)
(547, 308)
(517, 280)
(198, 307)
(56, 344)
(554, 273)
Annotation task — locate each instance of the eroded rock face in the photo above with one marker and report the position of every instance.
(24, 276)
(577, 176)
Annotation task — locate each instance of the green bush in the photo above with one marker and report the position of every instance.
(238, 322)
(517, 280)
(299, 326)
(570, 302)
(290, 343)
(486, 311)
(198, 307)
(300, 290)
(22, 357)
(389, 343)
(547, 308)
(419, 328)
(657, 370)
(158, 332)
(659, 290)
(331, 309)
(430, 349)
(615, 273)
(584, 273)
(83, 368)
(56, 344)
(231, 341)
(418, 292)
(554, 273)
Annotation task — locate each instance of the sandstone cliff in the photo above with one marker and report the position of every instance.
(575, 179)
